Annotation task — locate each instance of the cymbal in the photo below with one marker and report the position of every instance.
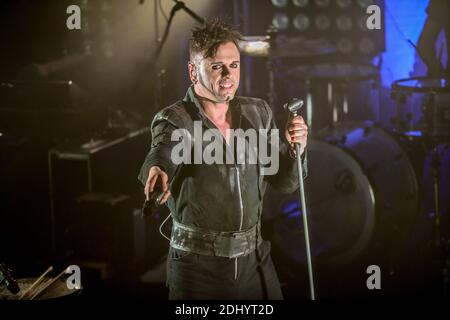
(422, 85)
(284, 47)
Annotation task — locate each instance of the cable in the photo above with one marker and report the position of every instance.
(155, 12)
(162, 10)
(160, 227)
(399, 30)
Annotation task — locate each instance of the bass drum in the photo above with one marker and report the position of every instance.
(361, 193)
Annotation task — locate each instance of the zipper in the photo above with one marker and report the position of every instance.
(241, 207)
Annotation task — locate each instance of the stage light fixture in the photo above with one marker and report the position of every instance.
(87, 46)
(322, 3)
(105, 27)
(106, 7)
(322, 22)
(300, 3)
(84, 4)
(85, 27)
(362, 23)
(280, 21)
(344, 3)
(365, 3)
(345, 45)
(366, 46)
(301, 22)
(108, 49)
(280, 3)
(341, 22)
(344, 23)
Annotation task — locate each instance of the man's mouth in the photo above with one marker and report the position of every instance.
(226, 85)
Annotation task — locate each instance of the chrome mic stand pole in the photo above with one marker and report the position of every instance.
(293, 107)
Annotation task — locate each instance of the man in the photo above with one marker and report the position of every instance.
(437, 20)
(216, 250)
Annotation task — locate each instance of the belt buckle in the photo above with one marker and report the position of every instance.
(227, 247)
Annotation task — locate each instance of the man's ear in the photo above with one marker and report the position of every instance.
(192, 72)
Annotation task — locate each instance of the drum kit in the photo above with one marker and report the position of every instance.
(365, 188)
(43, 287)
(432, 130)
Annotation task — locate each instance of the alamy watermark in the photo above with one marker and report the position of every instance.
(374, 280)
(373, 22)
(245, 147)
(73, 22)
(73, 281)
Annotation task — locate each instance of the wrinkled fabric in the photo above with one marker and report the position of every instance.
(200, 277)
(207, 196)
(219, 197)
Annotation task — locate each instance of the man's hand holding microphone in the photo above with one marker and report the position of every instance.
(156, 190)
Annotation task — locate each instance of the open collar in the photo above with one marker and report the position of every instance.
(235, 108)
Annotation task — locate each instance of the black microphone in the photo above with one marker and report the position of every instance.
(293, 106)
(152, 204)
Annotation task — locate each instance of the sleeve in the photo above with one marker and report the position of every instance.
(164, 123)
(286, 179)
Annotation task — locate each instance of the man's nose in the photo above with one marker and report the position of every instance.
(225, 71)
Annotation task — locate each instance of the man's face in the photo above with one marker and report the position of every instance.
(217, 78)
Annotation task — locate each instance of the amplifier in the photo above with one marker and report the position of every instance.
(105, 228)
(109, 164)
(94, 194)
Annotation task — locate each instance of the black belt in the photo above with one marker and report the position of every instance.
(214, 243)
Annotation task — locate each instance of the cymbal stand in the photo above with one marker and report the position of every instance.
(270, 65)
(309, 104)
(441, 244)
(435, 173)
(332, 101)
(436, 158)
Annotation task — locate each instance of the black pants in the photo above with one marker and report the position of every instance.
(194, 276)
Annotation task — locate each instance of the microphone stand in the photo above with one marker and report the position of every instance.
(305, 218)
(179, 5)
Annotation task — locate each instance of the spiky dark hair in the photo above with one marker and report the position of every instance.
(208, 37)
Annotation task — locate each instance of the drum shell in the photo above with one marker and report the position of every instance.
(423, 107)
(386, 165)
(362, 196)
(56, 291)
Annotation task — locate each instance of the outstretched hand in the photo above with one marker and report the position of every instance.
(157, 181)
